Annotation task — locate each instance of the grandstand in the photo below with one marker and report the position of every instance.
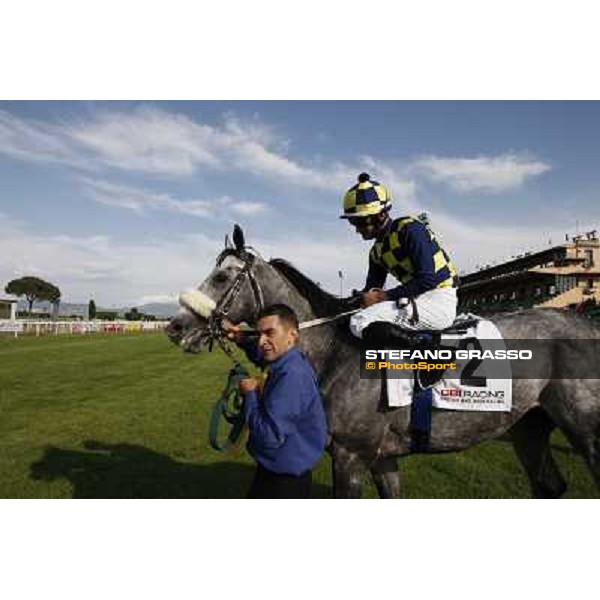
(563, 276)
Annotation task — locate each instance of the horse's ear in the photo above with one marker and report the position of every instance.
(228, 242)
(238, 238)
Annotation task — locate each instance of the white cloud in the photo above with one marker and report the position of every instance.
(35, 141)
(248, 208)
(129, 274)
(481, 174)
(151, 140)
(154, 141)
(162, 143)
(141, 201)
(397, 179)
(147, 140)
(112, 271)
(476, 243)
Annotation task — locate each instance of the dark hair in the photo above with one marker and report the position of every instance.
(283, 311)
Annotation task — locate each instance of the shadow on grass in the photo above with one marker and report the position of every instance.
(130, 471)
(565, 449)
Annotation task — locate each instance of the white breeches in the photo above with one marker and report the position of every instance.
(436, 310)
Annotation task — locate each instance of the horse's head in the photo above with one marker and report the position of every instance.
(230, 291)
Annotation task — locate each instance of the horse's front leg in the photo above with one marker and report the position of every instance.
(386, 476)
(348, 473)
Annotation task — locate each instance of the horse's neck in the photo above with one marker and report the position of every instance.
(280, 291)
(316, 341)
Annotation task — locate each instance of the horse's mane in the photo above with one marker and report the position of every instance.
(323, 303)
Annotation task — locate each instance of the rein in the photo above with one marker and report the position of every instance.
(230, 405)
(230, 408)
(322, 320)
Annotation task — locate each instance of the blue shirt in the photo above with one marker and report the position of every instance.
(287, 425)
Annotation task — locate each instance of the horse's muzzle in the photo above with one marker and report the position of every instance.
(174, 330)
(187, 331)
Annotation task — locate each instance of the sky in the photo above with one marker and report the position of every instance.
(130, 202)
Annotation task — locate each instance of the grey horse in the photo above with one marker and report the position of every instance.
(366, 435)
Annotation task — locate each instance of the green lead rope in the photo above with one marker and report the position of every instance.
(230, 407)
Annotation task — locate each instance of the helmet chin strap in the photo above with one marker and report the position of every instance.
(384, 222)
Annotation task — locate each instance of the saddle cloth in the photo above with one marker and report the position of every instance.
(491, 394)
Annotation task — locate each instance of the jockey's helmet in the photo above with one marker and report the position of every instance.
(366, 198)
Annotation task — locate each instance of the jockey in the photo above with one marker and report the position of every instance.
(407, 249)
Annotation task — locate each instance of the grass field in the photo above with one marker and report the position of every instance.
(126, 416)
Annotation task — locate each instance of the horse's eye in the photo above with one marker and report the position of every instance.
(220, 278)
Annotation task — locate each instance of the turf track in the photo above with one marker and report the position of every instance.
(125, 416)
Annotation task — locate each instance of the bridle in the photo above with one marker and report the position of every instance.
(223, 306)
(215, 328)
(227, 299)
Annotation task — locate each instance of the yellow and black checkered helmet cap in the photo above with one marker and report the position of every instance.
(366, 198)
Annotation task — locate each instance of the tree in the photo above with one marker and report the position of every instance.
(53, 296)
(92, 309)
(34, 288)
(133, 315)
(107, 315)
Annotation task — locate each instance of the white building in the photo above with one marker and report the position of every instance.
(8, 308)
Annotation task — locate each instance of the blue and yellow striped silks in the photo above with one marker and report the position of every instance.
(392, 251)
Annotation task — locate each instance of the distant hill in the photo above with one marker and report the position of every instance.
(65, 308)
(164, 310)
(160, 310)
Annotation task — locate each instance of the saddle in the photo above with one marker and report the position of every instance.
(433, 341)
(391, 336)
(388, 335)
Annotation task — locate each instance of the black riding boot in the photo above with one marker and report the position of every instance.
(383, 335)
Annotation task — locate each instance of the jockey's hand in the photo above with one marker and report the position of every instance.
(233, 332)
(247, 385)
(373, 297)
